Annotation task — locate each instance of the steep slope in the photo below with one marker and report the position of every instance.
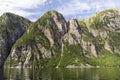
(11, 28)
(94, 41)
(106, 25)
(52, 42)
(40, 41)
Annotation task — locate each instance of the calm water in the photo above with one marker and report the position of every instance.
(61, 74)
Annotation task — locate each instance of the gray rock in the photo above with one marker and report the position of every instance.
(11, 28)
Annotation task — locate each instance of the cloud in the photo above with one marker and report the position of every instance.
(73, 7)
(33, 9)
(85, 8)
(19, 6)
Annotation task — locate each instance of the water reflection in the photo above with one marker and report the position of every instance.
(61, 74)
(1, 74)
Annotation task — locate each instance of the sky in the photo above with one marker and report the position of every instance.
(34, 9)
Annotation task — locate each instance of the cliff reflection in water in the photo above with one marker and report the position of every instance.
(61, 74)
(1, 74)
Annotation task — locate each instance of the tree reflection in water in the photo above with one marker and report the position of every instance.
(61, 74)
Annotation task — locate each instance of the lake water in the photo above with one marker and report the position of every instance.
(61, 74)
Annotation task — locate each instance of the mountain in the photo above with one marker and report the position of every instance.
(11, 28)
(53, 42)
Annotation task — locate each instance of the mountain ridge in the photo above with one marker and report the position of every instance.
(11, 28)
(53, 42)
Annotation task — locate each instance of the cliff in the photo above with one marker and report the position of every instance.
(11, 28)
(53, 42)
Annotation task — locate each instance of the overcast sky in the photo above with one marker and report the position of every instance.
(33, 9)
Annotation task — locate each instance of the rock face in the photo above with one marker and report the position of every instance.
(107, 29)
(11, 28)
(74, 34)
(53, 42)
(41, 39)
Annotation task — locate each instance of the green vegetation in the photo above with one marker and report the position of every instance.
(51, 62)
(70, 54)
(43, 20)
(73, 56)
(96, 19)
(83, 27)
(87, 36)
(107, 60)
(115, 40)
(34, 35)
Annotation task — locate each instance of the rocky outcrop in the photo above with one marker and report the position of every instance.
(74, 34)
(11, 28)
(107, 27)
(40, 40)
